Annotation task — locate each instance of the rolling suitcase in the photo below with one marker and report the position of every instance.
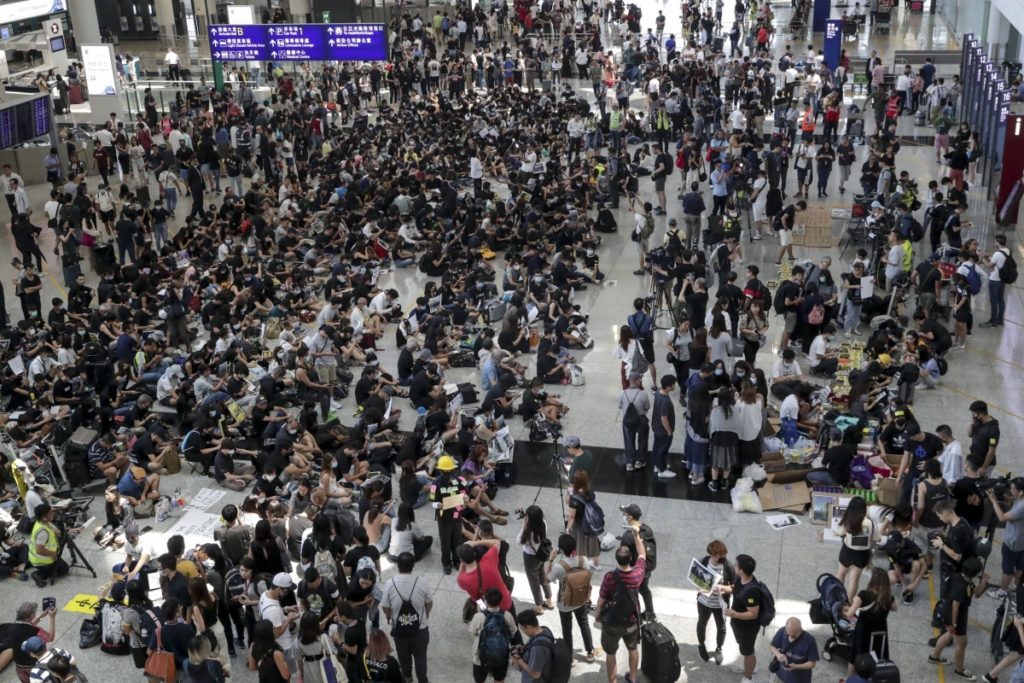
(75, 94)
(886, 670)
(659, 659)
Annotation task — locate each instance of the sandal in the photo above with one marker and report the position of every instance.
(500, 521)
(499, 511)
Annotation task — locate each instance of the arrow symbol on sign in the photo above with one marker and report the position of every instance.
(273, 43)
(274, 55)
(214, 43)
(331, 30)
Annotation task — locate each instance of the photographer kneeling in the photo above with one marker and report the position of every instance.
(1013, 535)
(44, 548)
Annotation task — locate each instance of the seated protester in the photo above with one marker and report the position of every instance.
(837, 459)
(552, 362)
(53, 665)
(137, 565)
(536, 400)
(26, 626)
(200, 446)
(233, 475)
(104, 461)
(821, 358)
(426, 386)
(797, 415)
(786, 375)
(135, 486)
(13, 554)
(153, 449)
(270, 486)
(500, 398)
(406, 362)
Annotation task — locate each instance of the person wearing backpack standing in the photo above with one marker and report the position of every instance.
(634, 406)
(618, 607)
(491, 630)
(541, 658)
(1002, 271)
(574, 574)
(584, 516)
(641, 324)
(748, 600)
(631, 513)
(407, 605)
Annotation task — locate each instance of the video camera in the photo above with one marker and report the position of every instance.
(998, 485)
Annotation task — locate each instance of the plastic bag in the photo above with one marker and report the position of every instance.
(89, 634)
(755, 473)
(773, 444)
(743, 497)
(608, 541)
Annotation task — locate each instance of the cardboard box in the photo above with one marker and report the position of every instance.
(789, 475)
(784, 496)
(888, 492)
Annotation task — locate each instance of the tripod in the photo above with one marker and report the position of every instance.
(556, 462)
(77, 558)
(662, 291)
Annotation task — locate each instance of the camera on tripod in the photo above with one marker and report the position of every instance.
(1000, 486)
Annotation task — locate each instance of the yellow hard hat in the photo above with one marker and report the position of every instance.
(446, 463)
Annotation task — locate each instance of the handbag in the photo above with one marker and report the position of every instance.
(331, 670)
(159, 664)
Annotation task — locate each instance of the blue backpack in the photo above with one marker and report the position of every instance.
(495, 641)
(973, 279)
(593, 516)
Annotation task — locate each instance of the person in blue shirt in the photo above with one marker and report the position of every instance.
(136, 487)
(795, 651)
(719, 189)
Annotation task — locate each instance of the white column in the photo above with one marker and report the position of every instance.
(299, 8)
(165, 16)
(84, 21)
(997, 35)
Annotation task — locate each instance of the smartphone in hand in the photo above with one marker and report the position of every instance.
(49, 604)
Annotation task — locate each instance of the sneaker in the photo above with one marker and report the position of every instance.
(965, 674)
(703, 652)
(718, 657)
(590, 656)
(40, 581)
(908, 597)
(666, 474)
(989, 678)
(698, 481)
(640, 271)
(756, 236)
(995, 593)
(629, 467)
(713, 485)
(639, 465)
(938, 660)
(447, 569)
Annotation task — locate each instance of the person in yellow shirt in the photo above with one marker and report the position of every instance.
(44, 547)
(176, 547)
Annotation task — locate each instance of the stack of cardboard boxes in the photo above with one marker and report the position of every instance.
(816, 223)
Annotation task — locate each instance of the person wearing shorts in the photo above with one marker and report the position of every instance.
(744, 612)
(965, 585)
(618, 604)
(492, 598)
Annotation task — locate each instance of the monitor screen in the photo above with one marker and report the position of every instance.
(57, 44)
(5, 32)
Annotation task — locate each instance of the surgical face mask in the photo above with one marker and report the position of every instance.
(718, 372)
(741, 373)
(268, 477)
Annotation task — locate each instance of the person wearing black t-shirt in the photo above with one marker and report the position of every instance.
(837, 459)
(746, 606)
(970, 504)
(956, 544)
(918, 447)
(352, 642)
(964, 585)
(984, 433)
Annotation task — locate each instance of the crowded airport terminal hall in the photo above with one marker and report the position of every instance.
(524, 341)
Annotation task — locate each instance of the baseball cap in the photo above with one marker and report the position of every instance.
(282, 580)
(33, 644)
(672, 221)
(571, 442)
(633, 510)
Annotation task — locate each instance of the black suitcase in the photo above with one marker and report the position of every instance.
(469, 394)
(886, 670)
(659, 659)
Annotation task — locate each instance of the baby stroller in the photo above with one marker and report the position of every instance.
(827, 608)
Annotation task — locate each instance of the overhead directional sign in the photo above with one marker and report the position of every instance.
(298, 42)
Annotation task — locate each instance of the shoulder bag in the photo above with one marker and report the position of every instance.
(160, 664)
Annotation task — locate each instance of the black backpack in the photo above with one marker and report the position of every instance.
(1008, 273)
(623, 607)
(916, 230)
(779, 302)
(407, 619)
(559, 665)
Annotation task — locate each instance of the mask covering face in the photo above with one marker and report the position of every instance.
(741, 373)
(718, 372)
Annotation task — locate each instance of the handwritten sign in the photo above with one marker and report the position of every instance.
(205, 499)
(196, 527)
(83, 604)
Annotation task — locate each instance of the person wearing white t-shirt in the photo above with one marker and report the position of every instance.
(281, 617)
(952, 458)
(996, 287)
(822, 360)
(173, 62)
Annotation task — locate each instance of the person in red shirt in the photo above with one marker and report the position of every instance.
(618, 605)
(476, 577)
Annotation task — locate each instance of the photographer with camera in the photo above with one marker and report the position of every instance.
(44, 547)
(1013, 534)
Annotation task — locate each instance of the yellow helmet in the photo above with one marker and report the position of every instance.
(446, 463)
